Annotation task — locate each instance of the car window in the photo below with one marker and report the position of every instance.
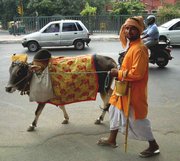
(69, 27)
(79, 26)
(52, 28)
(176, 26)
(168, 24)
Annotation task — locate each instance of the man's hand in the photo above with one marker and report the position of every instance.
(114, 72)
(125, 73)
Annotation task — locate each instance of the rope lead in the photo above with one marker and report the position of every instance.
(106, 82)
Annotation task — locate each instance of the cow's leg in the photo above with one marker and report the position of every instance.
(38, 111)
(105, 98)
(66, 117)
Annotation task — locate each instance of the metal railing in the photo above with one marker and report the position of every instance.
(95, 24)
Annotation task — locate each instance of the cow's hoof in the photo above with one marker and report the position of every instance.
(65, 122)
(97, 122)
(31, 128)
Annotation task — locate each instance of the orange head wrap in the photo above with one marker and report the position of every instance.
(136, 21)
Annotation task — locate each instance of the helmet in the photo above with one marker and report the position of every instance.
(150, 19)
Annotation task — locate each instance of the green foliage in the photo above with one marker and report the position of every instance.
(40, 7)
(74, 7)
(127, 8)
(169, 11)
(69, 7)
(47, 8)
(8, 11)
(100, 5)
(88, 11)
(55, 7)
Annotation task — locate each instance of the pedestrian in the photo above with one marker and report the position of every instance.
(134, 69)
(15, 28)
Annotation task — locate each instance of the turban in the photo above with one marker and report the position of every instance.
(136, 21)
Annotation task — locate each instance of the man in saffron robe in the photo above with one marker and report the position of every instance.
(134, 69)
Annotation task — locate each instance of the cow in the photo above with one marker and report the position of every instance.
(21, 75)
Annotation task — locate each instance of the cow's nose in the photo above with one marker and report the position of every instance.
(8, 89)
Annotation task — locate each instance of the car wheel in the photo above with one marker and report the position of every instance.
(33, 46)
(79, 44)
(163, 38)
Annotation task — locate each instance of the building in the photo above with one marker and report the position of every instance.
(151, 5)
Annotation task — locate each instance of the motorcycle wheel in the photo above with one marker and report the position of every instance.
(162, 59)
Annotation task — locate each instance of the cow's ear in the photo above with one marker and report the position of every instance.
(35, 68)
(19, 58)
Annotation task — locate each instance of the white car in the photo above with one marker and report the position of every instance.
(58, 33)
(170, 30)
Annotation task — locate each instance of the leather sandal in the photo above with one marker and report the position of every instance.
(104, 142)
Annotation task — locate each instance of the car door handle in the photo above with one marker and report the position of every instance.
(56, 34)
(75, 33)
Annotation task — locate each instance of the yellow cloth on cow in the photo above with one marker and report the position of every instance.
(19, 57)
(74, 79)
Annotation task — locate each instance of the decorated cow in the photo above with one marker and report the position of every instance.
(61, 80)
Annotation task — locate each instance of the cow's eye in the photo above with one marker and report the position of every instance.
(19, 72)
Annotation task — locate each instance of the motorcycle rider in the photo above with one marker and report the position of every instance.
(150, 36)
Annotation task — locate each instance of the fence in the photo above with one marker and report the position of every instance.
(95, 24)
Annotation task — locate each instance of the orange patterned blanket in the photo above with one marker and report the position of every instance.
(74, 79)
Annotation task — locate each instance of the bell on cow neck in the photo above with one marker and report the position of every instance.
(121, 88)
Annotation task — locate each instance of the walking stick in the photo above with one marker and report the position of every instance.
(127, 119)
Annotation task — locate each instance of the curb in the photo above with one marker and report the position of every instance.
(11, 40)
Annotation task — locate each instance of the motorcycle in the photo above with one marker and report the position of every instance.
(160, 54)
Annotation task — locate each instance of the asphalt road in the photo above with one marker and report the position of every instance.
(76, 141)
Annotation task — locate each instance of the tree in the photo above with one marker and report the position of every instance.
(8, 11)
(169, 12)
(10, 8)
(69, 7)
(99, 4)
(88, 11)
(55, 7)
(127, 8)
(42, 7)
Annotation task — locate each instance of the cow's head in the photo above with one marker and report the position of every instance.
(19, 74)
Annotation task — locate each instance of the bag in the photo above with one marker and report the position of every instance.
(41, 87)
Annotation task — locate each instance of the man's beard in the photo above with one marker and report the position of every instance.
(133, 38)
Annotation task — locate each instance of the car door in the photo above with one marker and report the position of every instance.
(69, 33)
(50, 36)
(174, 33)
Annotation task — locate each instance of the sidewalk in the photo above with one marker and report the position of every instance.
(7, 38)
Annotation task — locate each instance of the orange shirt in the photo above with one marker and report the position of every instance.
(136, 62)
